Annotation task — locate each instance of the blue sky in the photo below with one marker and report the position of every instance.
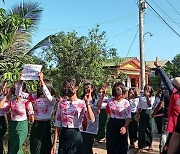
(118, 18)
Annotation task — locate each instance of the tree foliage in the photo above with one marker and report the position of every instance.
(172, 69)
(17, 26)
(79, 56)
(8, 25)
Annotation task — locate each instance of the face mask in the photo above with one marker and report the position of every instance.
(18, 90)
(116, 92)
(68, 92)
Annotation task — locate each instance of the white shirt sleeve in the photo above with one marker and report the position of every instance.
(152, 100)
(47, 93)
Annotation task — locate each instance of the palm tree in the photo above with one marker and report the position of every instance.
(17, 40)
(22, 37)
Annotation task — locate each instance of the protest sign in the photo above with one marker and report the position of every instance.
(30, 72)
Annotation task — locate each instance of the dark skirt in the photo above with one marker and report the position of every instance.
(70, 141)
(133, 129)
(3, 129)
(116, 143)
(88, 140)
(40, 138)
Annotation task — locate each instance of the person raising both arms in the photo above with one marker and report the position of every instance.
(69, 115)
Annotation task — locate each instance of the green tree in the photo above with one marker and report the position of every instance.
(172, 69)
(17, 26)
(82, 57)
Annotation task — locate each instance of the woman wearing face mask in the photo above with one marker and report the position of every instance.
(133, 126)
(19, 108)
(43, 103)
(120, 116)
(91, 129)
(2, 116)
(69, 117)
(146, 121)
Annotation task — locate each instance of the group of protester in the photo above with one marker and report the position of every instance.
(81, 121)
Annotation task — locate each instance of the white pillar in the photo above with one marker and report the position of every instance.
(128, 82)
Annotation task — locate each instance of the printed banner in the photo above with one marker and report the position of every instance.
(30, 72)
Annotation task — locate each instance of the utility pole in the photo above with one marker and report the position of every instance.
(142, 7)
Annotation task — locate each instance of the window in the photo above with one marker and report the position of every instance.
(133, 82)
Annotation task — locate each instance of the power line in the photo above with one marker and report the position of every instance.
(169, 19)
(94, 24)
(165, 12)
(173, 7)
(132, 42)
(159, 16)
(126, 31)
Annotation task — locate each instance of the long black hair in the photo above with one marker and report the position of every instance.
(48, 85)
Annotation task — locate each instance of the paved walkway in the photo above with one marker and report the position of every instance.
(101, 148)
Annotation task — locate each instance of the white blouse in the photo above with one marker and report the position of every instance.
(143, 102)
(119, 110)
(92, 127)
(19, 110)
(134, 104)
(43, 106)
(70, 115)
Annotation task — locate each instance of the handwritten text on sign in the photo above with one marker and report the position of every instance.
(30, 72)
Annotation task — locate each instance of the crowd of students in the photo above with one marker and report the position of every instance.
(81, 121)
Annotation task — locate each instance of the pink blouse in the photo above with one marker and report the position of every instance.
(19, 110)
(119, 110)
(43, 106)
(70, 114)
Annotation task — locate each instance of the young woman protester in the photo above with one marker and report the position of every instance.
(69, 117)
(3, 126)
(146, 121)
(19, 108)
(119, 110)
(91, 129)
(133, 126)
(43, 103)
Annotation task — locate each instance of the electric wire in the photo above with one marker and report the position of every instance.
(173, 7)
(159, 16)
(132, 43)
(125, 31)
(165, 13)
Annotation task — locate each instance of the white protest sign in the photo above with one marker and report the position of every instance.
(30, 72)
